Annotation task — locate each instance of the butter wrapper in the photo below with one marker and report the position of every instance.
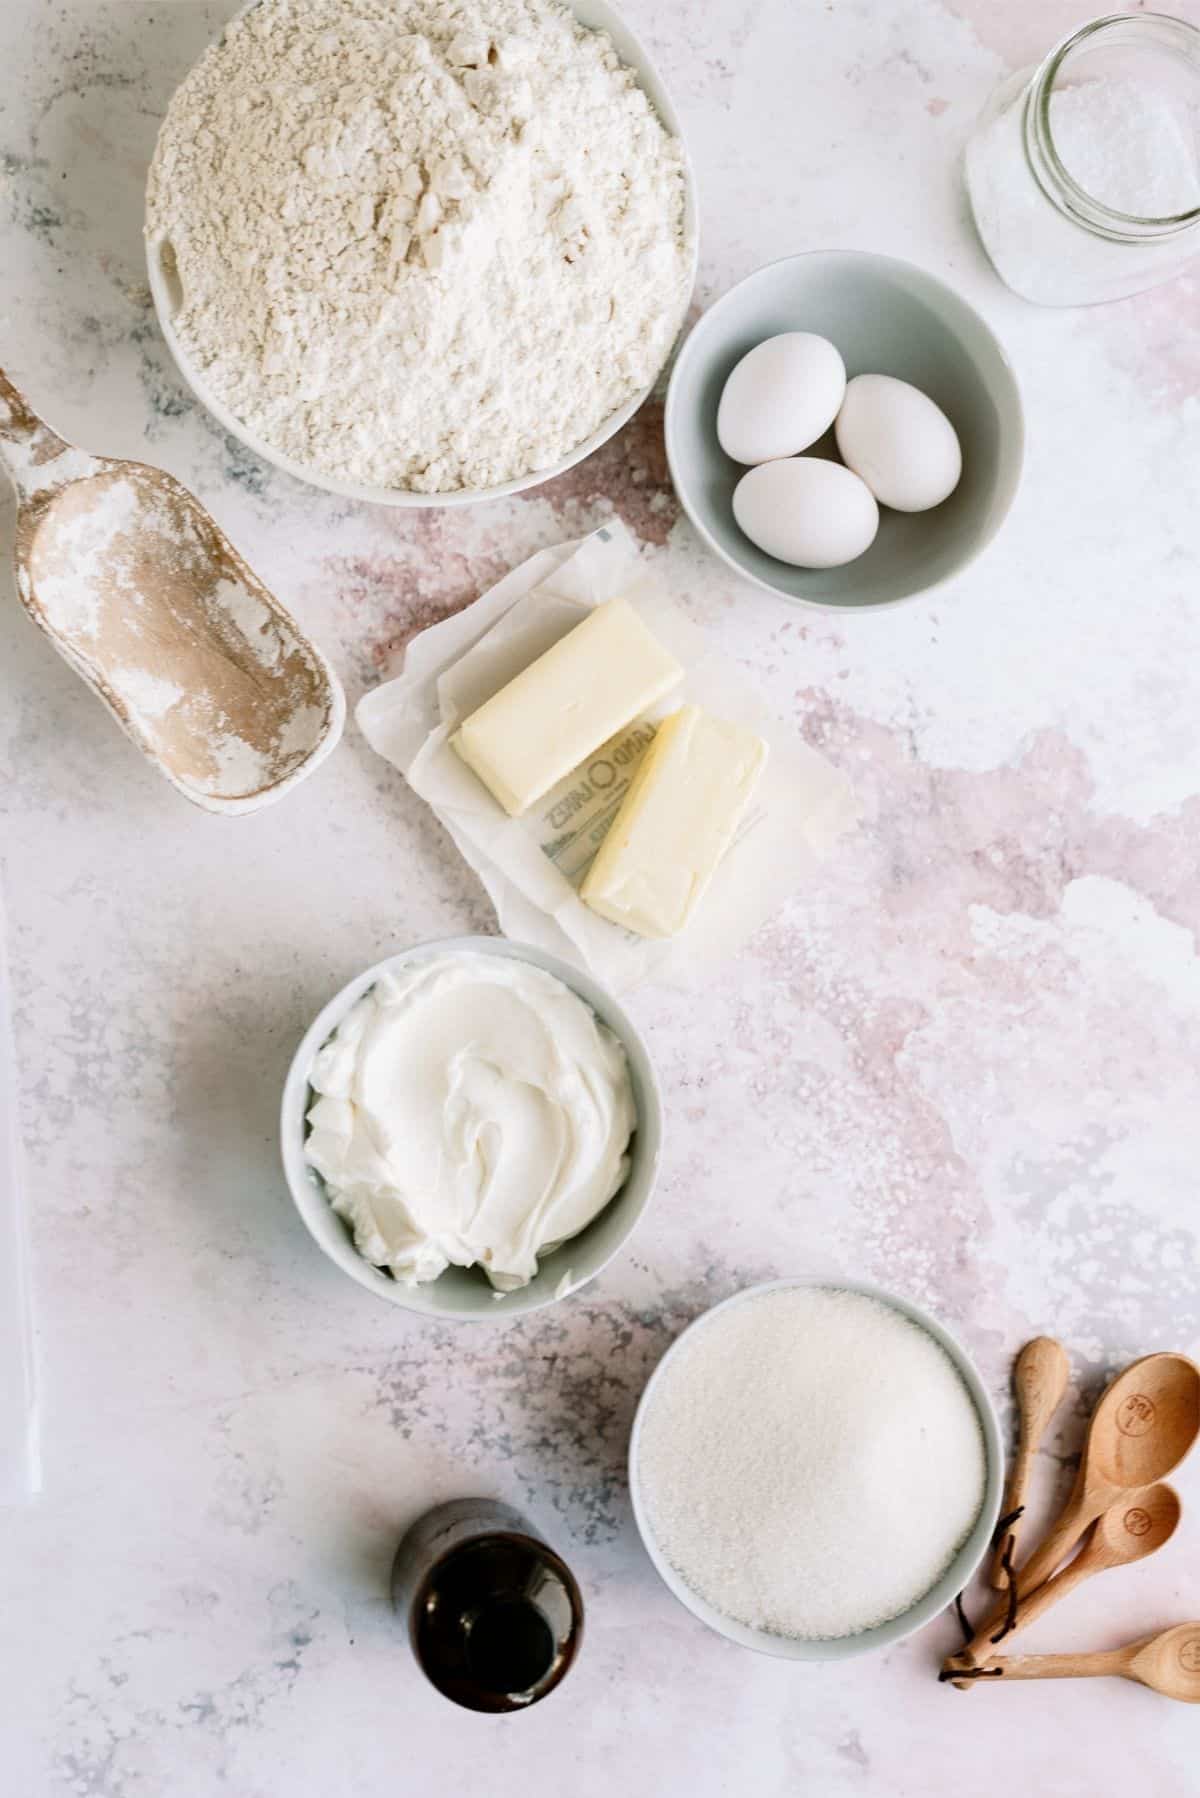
(532, 866)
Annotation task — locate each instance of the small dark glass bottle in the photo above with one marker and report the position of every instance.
(494, 1615)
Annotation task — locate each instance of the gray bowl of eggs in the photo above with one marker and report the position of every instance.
(844, 430)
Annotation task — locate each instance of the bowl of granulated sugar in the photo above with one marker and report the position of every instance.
(815, 1469)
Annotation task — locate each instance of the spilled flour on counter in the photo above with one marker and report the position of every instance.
(421, 244)
(145, 595)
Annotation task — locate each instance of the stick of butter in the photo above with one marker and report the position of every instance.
(558, 711)
(679, 817)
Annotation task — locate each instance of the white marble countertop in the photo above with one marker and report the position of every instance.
(963, 1067)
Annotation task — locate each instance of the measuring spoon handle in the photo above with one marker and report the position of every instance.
(1038, 1602)
(1081, 1509)
(1040, 1379)
(1078, 1512)
(1096, 1665)
(1014, 1500)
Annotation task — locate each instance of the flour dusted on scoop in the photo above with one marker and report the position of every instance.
(149, 601)
(421, 244)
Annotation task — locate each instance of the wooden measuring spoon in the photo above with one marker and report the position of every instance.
(1140, 1431)
(1142, 1428)
(1128, 1531)
(1168, 1663)
(1040, 1377)
(140, 592)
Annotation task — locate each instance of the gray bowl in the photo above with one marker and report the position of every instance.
(886, 317)
(956, 1576)
(464, 1293)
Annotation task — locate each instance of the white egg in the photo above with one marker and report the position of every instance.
(901, 444)
(780, 397)
(803, 510)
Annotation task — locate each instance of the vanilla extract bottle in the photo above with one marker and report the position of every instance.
(495, 1617)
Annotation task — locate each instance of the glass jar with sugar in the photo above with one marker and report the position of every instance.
(1084, 172)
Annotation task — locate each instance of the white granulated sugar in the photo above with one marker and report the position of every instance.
(422, 244)
(810, 1462)
(1128, 146)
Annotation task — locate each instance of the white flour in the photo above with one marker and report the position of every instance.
(422, 244)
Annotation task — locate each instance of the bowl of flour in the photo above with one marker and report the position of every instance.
(421, 252)
(815, 1470)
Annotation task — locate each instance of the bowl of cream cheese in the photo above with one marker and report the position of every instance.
(471, 1129)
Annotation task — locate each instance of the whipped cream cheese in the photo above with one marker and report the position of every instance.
(471, 1109)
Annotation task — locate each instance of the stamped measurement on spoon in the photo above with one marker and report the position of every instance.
(1135, 1414)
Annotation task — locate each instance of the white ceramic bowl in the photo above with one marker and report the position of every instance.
(956, 1576)
(461, 1292)
(597, 15)
(886, 317)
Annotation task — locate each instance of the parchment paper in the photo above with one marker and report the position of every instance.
(532, 866)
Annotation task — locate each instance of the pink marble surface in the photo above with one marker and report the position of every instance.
(963, 1066)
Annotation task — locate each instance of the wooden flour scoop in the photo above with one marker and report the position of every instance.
(136, 587)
